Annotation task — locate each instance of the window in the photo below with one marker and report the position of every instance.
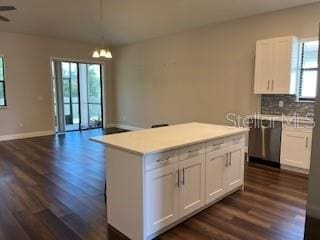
(309, 71)
(2, 87)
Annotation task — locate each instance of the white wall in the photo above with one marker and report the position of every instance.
(28, 82)
(200, 75)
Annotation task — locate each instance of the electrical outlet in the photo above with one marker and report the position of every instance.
(281, 104)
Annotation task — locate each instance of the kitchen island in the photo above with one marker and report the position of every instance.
(157, 178)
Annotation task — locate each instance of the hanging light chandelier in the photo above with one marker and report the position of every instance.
(102, 52)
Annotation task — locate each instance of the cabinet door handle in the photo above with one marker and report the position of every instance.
(178, 174)
(272, 84)
(182, 176)
(230, 163)
(227, 158)
(307, 142)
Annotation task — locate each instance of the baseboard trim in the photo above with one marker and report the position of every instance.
(295, 169)
(25, 135)
(123, 126)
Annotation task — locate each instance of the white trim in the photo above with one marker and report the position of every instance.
(123, 126)
(295, 169)
(26, 135)
(52, 96)
(78, 60)
(309, 39)
(83, 61)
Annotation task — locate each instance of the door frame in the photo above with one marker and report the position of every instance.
(103, 85)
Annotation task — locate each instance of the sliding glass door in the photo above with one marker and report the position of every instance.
(71, 95)
(91, 92)
(78, 95)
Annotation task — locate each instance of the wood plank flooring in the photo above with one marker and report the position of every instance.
(53, 188)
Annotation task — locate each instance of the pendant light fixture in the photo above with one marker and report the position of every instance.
(102, 52)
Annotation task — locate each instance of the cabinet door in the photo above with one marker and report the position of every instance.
(235, 169)
(162, 197)
(215, 169)
(192, 184)
(263, 66)
(296, 149)
(282, 54)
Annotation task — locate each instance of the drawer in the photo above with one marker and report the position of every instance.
(238, 139)
(157, 160)
(216, 145)
(192, 151)
(306, 128)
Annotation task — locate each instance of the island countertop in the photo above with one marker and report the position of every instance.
(156, 140)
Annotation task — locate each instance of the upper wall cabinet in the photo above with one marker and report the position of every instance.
(276, 65)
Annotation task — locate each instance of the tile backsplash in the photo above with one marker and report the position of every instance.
(270, 105)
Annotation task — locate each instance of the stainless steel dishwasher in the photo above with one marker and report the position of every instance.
(265, 141)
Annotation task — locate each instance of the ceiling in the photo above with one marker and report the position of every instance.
(127, 21)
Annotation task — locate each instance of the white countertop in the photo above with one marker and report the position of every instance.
(283, 118)
(166, 138)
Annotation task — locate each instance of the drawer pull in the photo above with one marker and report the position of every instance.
(217, 144)
(194, 150)
(164, 159)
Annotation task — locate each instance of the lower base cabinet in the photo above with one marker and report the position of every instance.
(216, 162)
(235, 168)
(224, 171)
(179, 189)
(162, 197)
(296, 147)
(192, 185)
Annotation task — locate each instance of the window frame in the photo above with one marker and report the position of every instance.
(4, 82)
(302, 70)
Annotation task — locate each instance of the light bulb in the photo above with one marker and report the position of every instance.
(103, 53)
(95, 54)
(108, 54)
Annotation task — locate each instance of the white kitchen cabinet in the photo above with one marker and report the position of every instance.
(192, 184)
(296, 148)
(216, 162)
(263, 66)
(205, 173)
(162, 197)
(276, 65)
(235, 167)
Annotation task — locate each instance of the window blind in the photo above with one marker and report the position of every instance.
(309, 70)
(2, 85)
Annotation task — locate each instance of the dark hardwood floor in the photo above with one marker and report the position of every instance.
(53, 188)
